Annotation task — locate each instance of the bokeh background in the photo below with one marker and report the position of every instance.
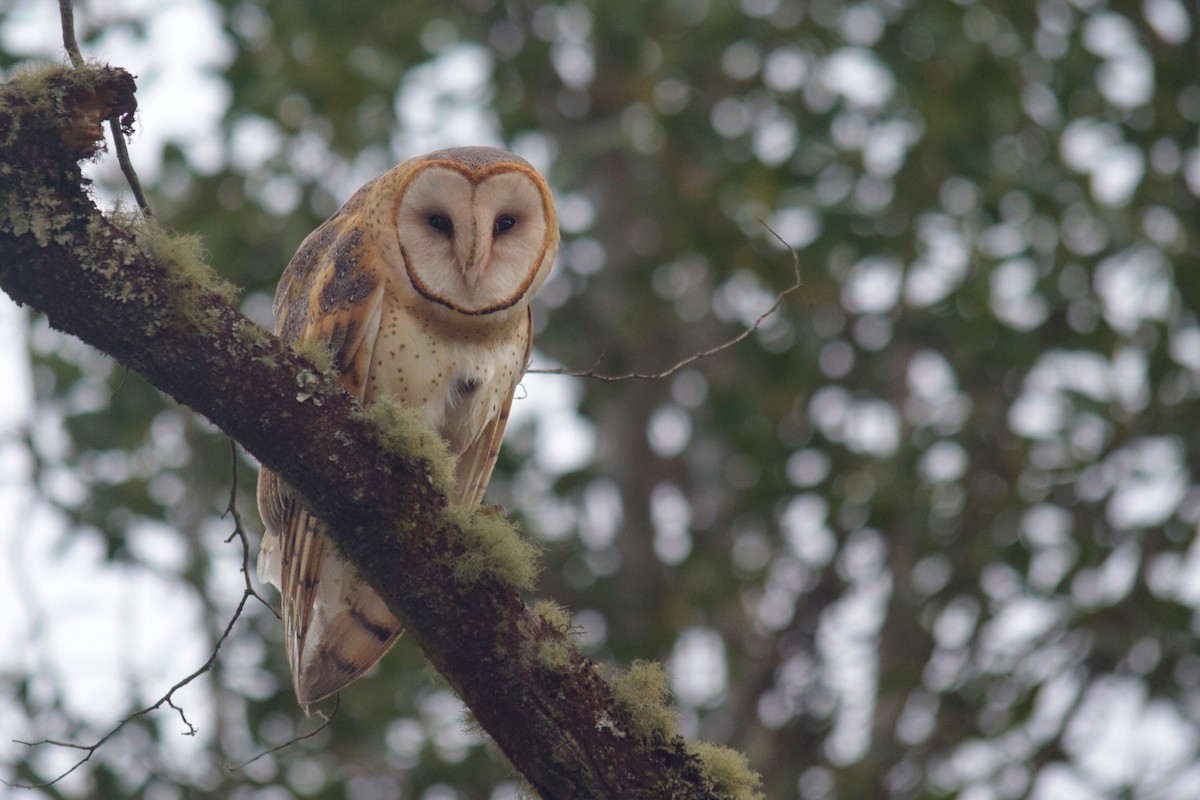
(930, 532)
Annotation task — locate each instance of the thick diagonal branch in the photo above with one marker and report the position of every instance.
(556, 721)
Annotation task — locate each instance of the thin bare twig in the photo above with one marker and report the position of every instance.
(167, 700)
(328, 720)
(131, 176)
(692, 359)
(66, 12)
(240, 533)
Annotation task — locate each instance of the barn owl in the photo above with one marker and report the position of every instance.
(421, 287)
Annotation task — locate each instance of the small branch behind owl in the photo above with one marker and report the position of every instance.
(692, 359)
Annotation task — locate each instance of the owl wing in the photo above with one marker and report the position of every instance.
(475, 465)
(335, 626)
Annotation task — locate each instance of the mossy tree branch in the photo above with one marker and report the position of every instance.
(548, 708)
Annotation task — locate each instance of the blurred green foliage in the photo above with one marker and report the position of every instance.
(930, 533)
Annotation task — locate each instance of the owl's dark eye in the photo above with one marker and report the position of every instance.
(504, 224)
(441, 223)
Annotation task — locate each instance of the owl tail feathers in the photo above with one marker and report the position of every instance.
(335, 626)
(341, 645)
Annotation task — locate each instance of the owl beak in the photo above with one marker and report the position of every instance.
(472, 271)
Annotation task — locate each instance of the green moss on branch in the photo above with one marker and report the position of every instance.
(643, 696)
(728, 771)
(492, 545)
(402, 429)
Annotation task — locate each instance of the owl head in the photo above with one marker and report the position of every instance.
(473, 229)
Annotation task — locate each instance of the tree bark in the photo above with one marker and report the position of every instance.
(555, 719)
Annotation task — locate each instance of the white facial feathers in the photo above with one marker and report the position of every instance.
(474, 246)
